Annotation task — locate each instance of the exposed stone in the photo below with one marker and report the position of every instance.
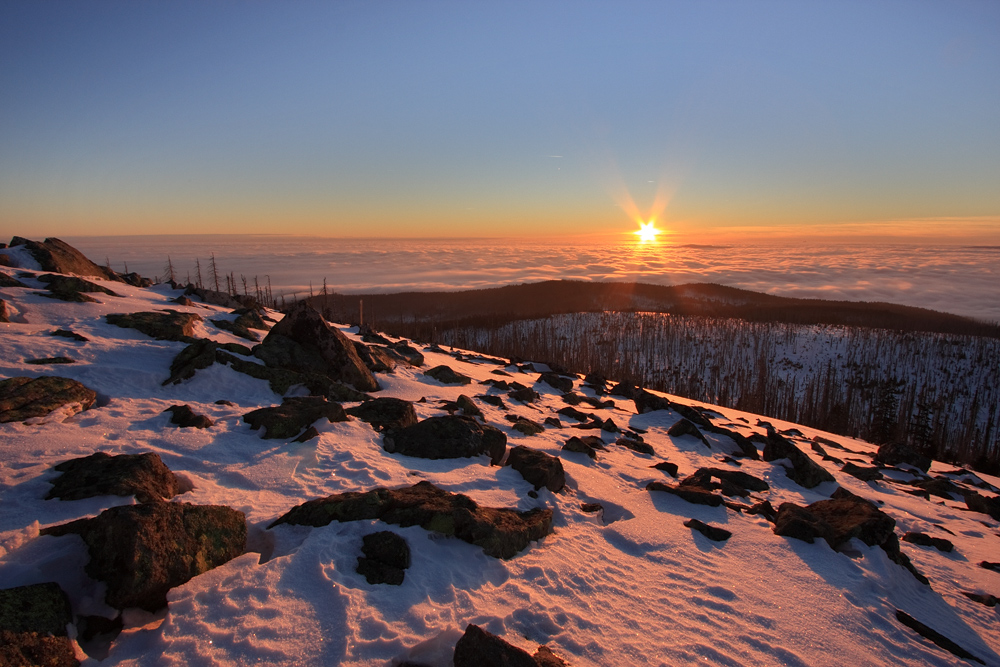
(407, 353)
(864, 473)
(446, 375)
(635, 445)
(142, 551)
(747, 448)
(184, 417)
(897, 453)
(60, 257)
(386, 413)
(573, 413)
(218, 298)
(667, 467)
(713, 533)
(47, 361)
(479, 648)
(166, 325)
(9, 281)
(236, 328)
(305, 343)
(837, 520)
(32, 649)
(610, 426)
(556, 381)
(23, 398)
(144, 476)
(538, 468)
(765, 509)
(501, 532)
(942, 487)
(295, 413)
(974, 500)
(989, 566)
(281, 380)
(553, 422)
(307, 435)
(41, 608)
(523, 394)
(527, 427)
(686, 427)
(572, 399)
(492, 400)
(386, 557)
(586, 445)
(200, 354)
(926, 540)
(624, 390)
(544, 657)
(447, 437)
(73, 289)
(982, 598)
(732, 482)
(377, 359)
(648, 402)
(591, 508)
(805, 471)
(930, 633)
(692, 494)
(468, 406)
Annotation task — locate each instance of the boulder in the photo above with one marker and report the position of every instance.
(925, 540)
(386, 413)
(165, 325)
(894, 454)
(686, 427)
(200, 354)
(538, 468)
(982, 598)
(447, 437)
(184, 417)
(468, 406)
(553, 422)
(4, 316)
(556, 381)
(66, 333)
(33, 622)
(295, 413)
(407, 353)
(624, 390)
(731, 482)
(305, 343)
(491, 400)
(635, 445)
(446, 375)
(501, 532)
(144, 476)
(930, 633)
(479, 648)
(218, 298)
(60, 257)
(747, 448)
(864, 473)
(667, 467)
(648, 402)
(48, 361)
(544, 657)
(71, 288)
(236, 328)
(375, 358)
(281, 380)
(939, 486)
(692, 494)
(573, 413)
(523, 394)
(526, 426)
(386, 557)
(10, 281)
(713, 533)
(977, 503)
(588, 445)
(23, 398)
(805, 472)
(142, 551)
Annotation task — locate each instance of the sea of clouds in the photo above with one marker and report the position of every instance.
(958, 279)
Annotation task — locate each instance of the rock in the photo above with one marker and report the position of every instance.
(686, 427)
(942, 487)
(445, 375)
(184, 417)
(524, 394)
(647, 402)
(925, 540)
(610, 426)
(386, 413)
(468, 406)
(47, 361)
(479, 648)
(281, 380)
(305, 343)
(218, 298)
(692, 494)
(765, 509)
(713, 533)
(66, 333)
(573, 413)
(10, 281)
(447, 437)
(60, 257)
(22, 398)
(4, 315)
(935, 636)
(865, 474)
(142, 551)
(805, 472)
(166, 325)
(635, 445)
(386, 557)
(667, 467)
(544, 657)
(974, 500)
(572, 399)
(538, 468)
(591, 508)
(295, 413)
(553, 422)
(237, 329)
(597, 382)
(527, 427)
(200, 354)
(989, 566)
(842, 517)
(894, 454)
(501, 532)
(407, 353)
(492, 400)
(624, 390)
(747, 448)
(377, 359)
(307, 435)
(982, 598)
(732, 482)
(556, 381)
(38, 608)
(71, 288)
(144, 476)
(586, 445)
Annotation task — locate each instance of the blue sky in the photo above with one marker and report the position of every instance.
(838, 119)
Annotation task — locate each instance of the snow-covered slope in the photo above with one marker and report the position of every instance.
(628, 585)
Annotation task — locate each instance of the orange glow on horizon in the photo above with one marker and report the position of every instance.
(647, 232)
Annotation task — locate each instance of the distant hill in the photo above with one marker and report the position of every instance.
(495, 306)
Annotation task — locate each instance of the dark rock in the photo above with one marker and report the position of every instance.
(590, 508)
(974, 500)
(141, 475)
(184, 417)
(200, 354)
(305, 343)
(667, 467)
(842, 517)
(528, 427)
(142, 551)
(492, 400)
(930, 633)
(553, 422)
(373, 337)
(446, 375)
(524, 394)
(624, 390)
(990, 566)
(45, 361)
(610, 426)
(865, 474)
(713, 533)
(732, 482)
(66, 333)
(501, 532)
(386, 413)
(805, 471)
(572, 399)
(544, 657)
(468, 406)
(597, 403)
(10, 281)
(237, 329)
(573, 413)
(479, 648)
(73, 289)
(307, 435)
(166, 325)
(894, 454)
(556, 381)
(747, 448)
(377, 359)
(982, 598)
(217, 298)
(23, 398)
(926, 540)
(447, 437)
(407, 353)
(31, 649)
(686, 427)
(281, 380)
(287, 420)
(765, 509)
(538, 468)
(647, 402)
(4, 315)
(40, 608)
(183, 301)
(586, 445)
(60, 257)
(942, 487)
(635, 445)
(692, 494)
(386, 557)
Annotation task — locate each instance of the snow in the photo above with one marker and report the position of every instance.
(625, 586)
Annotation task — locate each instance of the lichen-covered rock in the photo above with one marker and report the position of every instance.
(386, 557)
(184, 417)
(142, 551)
(479, 648)
(386, 413)
(144, 476)
(896, 453)
(805, 471)
(23, 398)
(165, 325)
(501, 532)
(295, 413)
(447, 437)
(42, 608)
(71, 288)
(538, 468)
(447, 375)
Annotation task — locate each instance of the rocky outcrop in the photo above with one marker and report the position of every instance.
(648, 402)
(525, 426)
(925, 540)
(538, 468)
(295, 413)
(386, 413)
(805, 472)
(930, 633)
(713, 533)
(73, 289)
(165, 325)
(406, 353)
(980, 503)
(224, 299)
(447, 437)
(897, 453)
(10, 281)
(557, 381)
(23, 397)
(142, 551)
(446, 375)
(198, 355)
(479, 648)
(33, 626)
(376, 358)
(184, 417)
(386, 557)
(864, 473)
(629, 441)
(305, 343)
(731, 482)
(501, 532)
(588, 445)
(686, 427)
(60, 257)
(66, 333)
(144, 476)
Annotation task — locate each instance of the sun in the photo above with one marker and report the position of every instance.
(647, 232)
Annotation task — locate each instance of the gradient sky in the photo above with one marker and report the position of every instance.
(847, 120)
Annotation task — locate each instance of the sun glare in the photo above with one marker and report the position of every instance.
(647, 232)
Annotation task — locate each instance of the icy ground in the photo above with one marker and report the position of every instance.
(628, 586)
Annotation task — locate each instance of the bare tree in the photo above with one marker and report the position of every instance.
(214, 273)
(169, 271)
(197, 269)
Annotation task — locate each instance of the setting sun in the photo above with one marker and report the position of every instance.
(647, 232)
